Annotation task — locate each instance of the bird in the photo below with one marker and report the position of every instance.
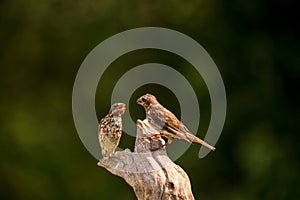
(110, 129)
(166, 123)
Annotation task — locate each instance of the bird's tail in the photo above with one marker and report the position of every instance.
(198, 140)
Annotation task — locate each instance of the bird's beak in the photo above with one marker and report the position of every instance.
(139, 101)
(122, 108)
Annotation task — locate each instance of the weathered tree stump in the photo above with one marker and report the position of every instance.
(149, 170)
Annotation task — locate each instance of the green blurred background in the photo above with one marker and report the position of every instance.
(255, 45)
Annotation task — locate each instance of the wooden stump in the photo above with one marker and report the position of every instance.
(149, 170)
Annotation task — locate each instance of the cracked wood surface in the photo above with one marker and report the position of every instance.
(149, 170)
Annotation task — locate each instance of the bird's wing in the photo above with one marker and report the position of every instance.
(166, 120)
(161, 117)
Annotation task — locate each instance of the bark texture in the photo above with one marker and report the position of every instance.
(149, 170)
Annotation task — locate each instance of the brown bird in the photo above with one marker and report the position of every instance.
(110, 129)
(166, 122)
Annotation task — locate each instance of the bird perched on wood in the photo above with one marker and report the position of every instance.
(166, 122)
(110, 129)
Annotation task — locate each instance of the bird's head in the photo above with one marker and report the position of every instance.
(146, 100)
(117, 109)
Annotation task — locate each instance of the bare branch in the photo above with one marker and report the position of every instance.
(149, 170)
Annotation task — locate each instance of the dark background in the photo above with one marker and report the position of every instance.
(255, 45)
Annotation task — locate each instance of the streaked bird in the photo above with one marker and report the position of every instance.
(166, 122)
(110, 129)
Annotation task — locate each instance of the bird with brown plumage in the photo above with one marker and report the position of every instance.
(110, 129)
(166, 123)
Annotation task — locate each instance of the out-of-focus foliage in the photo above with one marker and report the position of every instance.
(254, 43)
